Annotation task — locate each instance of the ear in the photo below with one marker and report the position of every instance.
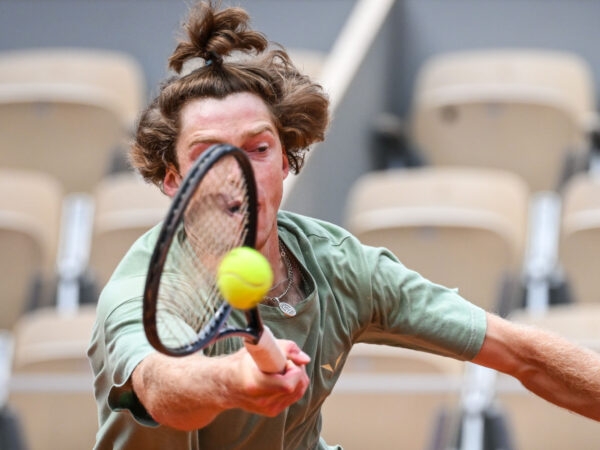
(285, 166)
(171, 181)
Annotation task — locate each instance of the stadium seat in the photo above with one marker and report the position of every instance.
(52, 385)
(389, 398)
(460, 227)
(580, 236)
(528, 111)
(125, 208)
(67, 111)
(535, 423)
(30, 207)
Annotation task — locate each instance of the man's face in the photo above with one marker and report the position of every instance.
(242, 120)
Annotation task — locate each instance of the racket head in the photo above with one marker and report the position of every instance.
(213, 211)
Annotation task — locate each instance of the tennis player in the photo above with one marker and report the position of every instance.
(232, 86)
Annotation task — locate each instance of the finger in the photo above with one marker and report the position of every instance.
(293, 352)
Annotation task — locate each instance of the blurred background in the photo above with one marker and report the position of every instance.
(464, 137)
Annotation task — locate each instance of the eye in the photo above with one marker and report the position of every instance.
(261, 148)
(235, 207)
(226, 203)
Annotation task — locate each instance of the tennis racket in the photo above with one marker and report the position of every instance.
(213, 212)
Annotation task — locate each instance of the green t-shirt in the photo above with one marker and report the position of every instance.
(354, 293)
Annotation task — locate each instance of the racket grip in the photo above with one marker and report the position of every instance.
(266, 353)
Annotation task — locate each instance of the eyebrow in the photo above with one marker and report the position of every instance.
(260, 129)
(209, 138)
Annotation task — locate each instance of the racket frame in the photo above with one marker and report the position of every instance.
(217, 329)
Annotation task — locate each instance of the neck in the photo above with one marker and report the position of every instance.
(271, 251)
(281, 269)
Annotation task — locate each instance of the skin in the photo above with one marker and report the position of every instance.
(546, 364)
(188, 393)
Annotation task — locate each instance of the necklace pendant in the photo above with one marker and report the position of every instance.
(287, 309)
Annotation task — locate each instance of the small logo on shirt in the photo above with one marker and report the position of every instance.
(331, 369)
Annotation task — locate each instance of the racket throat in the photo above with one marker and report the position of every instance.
(255, 327)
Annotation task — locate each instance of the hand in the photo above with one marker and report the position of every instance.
(270, 394)
(208, 386)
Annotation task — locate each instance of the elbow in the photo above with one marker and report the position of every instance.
(173, 413)
(178, 417)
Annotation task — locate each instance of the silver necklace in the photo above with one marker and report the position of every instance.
(285, 308)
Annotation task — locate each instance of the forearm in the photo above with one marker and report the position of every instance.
(563, 373)
(185, 393)
(548, 365)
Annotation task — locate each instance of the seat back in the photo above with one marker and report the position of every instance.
(387, 397)
(50, 370)
(117, 74)
(125, 208)
(527, 111)
(30, 208)
(580, 236)
(67, 111)
(460, 227)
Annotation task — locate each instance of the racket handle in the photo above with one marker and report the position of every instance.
(266, 353)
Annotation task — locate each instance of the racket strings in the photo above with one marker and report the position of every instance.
(214, 222)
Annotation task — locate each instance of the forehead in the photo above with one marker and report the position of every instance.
(226, 114)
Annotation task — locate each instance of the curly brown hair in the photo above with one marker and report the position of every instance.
(234, 59)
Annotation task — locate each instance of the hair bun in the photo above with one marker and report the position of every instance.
(212, 35)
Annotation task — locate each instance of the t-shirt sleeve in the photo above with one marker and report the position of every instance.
(126, 346)
(410, 311)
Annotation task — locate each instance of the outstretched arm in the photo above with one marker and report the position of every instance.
(187, 393)
(545, 363)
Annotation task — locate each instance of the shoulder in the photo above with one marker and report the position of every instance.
(329, 240)
(315, 230)
(329, 249)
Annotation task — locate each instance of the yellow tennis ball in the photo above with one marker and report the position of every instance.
(244, 277)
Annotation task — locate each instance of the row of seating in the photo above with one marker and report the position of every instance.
(50, 388)
(67, 111)
(124, 207)
(470, 228)
(532, 112)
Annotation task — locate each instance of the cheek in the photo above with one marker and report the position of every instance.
(270, 189)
